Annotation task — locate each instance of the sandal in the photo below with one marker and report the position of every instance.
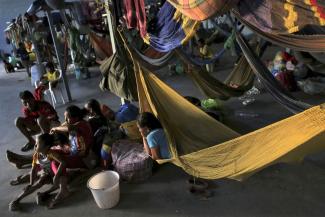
(57, 199)
(18, 160)
(27, 147)
(19, 180)
(197, 184)
(14, 206)
(41, 198)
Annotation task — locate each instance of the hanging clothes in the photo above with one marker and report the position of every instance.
(118, 77)
(136, 15)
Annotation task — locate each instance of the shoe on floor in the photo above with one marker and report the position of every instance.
(29, 146)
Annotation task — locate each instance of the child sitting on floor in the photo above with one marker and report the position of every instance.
(60, 161)
(41, 172)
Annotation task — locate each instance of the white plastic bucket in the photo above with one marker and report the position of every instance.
(105, 187)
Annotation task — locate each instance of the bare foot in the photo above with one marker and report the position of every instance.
(58, 198)
(14, 206)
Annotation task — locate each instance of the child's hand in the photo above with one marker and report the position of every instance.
(53, 130)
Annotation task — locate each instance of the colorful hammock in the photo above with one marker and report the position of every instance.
(203, 9)
(172, 29)
(282, 16)
(308, 43)
(272, 16)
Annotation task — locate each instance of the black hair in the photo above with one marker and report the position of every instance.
(25, 95)
(147, 119)
(75, 112)
(21, 44)
(201, 40)
(50, 65)
(61, 138)
(95, 106)
(48, 139)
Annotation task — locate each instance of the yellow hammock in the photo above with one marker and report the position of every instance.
(208, 149)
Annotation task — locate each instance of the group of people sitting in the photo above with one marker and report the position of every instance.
(86, 135)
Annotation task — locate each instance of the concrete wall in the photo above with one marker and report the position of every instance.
(10, 9)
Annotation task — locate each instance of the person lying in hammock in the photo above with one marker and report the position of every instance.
(153, 136)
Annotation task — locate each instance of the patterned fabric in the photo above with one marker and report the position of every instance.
(202, 9)
(282, 17)
(131, 162)
(308, 43)
(172, 29)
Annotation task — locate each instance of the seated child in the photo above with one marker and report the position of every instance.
(60, 161)
(40, 173)
(50, 78)
(51, 75)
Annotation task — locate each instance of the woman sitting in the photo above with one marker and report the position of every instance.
(153, 136)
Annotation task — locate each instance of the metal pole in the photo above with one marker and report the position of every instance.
(110, 26)
(55, 42)
(38, 56)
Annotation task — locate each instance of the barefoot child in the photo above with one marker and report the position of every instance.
(40, 173)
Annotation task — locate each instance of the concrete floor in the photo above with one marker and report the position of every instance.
(280, 190)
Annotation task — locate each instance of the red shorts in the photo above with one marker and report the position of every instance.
(71, 162)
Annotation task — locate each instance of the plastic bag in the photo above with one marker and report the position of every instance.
(213, 104)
